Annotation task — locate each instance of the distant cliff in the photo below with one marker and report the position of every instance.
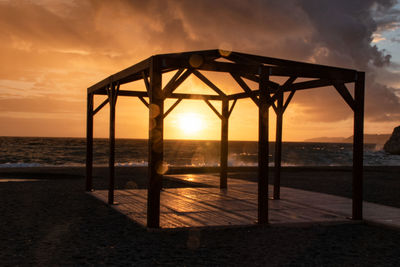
(368, 139)
(392, 146)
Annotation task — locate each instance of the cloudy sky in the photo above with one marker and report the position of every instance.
(52, 50)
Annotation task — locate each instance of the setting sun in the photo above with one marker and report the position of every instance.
(191, 122)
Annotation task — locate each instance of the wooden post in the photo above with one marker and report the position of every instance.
(358, 147)
(224, 144)
(263, 150)
(156, 147)
(111, 156)
(278, 148)
(89, 143)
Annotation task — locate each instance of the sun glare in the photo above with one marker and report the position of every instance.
(190, 122)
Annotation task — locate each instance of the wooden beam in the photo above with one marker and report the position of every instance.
(105, 102)
(344, 92)
(172, 81)
(208, 83)
(288, 100)
(195, 96)
(250, 77)
(310, 84)
(146, 81)
(172, 107)
(231, 109)
(294, 67)
(263, 149)
(143, 101)
(255, 78)
(312, 73)
(113, 93)
(278, 147)
(246, 88)
(89, 143)
(156, 144)
(120, 76)
(280, 90)
(173, 95)
(243, 95)
(223, 183)
(170, 87)
(205, 54)
(272, 104)
(127, 93)
(210, 65)
(358, 144)
(213, 108)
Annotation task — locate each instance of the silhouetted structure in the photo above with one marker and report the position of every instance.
(255, 68)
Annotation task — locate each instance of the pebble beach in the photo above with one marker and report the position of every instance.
(48, 219)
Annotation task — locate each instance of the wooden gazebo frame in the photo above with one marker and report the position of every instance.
(240, 66)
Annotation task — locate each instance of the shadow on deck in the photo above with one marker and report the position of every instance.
(200, 207)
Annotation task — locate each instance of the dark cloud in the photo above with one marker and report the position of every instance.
(71, 44)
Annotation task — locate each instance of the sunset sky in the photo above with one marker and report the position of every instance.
(52, 50)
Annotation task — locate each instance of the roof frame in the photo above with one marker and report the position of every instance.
(240, 66)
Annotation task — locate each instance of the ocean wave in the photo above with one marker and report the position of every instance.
(20, 165)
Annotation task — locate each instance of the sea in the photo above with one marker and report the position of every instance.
(62, 152)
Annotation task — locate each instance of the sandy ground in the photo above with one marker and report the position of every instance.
(53, 222)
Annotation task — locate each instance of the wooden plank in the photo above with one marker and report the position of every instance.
(156, 144)
(263, 150)
(121, 75)
(208, 83)
(213, 108)
(224, 145)
(172, 107)
(278, 148)
(89, 143)
(358, 144)
(105, 102)
(344, 92)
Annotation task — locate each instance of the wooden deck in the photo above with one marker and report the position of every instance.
(199, 207)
